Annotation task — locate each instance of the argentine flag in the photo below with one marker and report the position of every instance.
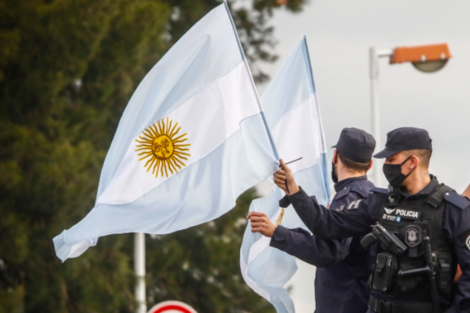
(293, 115)
(191, 140)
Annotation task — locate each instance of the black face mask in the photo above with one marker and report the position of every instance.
(334, 177)
(394, 175)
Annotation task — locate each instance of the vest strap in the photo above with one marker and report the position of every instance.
(436, 198)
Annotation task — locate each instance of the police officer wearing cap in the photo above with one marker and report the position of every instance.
(423, 230)
(343, 266)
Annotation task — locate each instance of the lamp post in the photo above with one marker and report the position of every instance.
(428, 59)
(139, 267)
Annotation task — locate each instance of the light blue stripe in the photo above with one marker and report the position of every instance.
(308, 64)
(202, 192)
(326, 177)
(288, 89)
(311, 180)
(271, 269)
(273, 276)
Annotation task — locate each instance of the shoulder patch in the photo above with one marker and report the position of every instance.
(464, 238)
(457, 200)
(379, 190)
(343, 192)
(354, 205)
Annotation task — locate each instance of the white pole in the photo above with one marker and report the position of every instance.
(374, 55)
(139, 267)
(375, 115)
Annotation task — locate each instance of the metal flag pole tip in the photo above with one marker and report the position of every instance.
(294, 160)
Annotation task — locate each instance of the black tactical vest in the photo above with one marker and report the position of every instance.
(411, 220)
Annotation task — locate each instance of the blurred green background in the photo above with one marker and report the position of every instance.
(67, 70)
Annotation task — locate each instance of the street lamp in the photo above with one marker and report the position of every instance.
(428, 59)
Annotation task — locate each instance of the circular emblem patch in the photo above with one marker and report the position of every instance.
(413, 235)
(468, 242)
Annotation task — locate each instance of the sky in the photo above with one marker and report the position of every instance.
(339, 34)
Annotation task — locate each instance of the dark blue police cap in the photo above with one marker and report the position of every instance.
(356, 145)
(405, 138)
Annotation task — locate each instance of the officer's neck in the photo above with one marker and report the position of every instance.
(417, 181)
(345, 174)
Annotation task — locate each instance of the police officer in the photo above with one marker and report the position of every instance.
(343, 265)
(419, 212)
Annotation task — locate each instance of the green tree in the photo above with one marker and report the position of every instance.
(67, 70)
(54, 139)
(251, 21)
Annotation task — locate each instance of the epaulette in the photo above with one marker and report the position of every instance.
(379, 190)
(343, 192)
(359, 190)
(457, 200)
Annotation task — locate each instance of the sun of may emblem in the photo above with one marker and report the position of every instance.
(162, 149)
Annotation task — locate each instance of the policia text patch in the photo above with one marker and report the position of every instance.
(397, 214)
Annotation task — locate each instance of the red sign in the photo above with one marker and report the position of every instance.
(172, 307)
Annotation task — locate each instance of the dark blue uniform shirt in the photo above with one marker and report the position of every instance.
(357, 218)
(343, 266)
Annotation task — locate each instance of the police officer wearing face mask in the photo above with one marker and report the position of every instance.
(423, 230)
(343, 265)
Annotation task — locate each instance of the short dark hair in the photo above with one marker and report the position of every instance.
(424, 155)
(353, 165)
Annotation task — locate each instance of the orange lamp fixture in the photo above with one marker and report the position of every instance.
(428, 58)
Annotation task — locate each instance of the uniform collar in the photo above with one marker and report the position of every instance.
(423, 192)
(345, 182)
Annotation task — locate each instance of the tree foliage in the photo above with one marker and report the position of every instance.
(67, 70)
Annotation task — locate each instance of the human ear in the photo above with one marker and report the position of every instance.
(414, 162)
(370, 164)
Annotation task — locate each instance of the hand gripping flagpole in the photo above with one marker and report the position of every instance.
(280, 218)
(268, 132)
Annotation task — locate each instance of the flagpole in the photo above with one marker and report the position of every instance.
(139, 267)
(268, 132)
